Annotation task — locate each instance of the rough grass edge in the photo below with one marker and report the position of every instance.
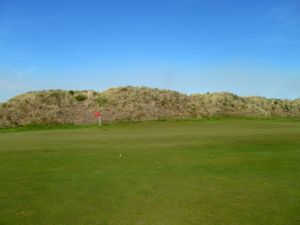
(37, 127)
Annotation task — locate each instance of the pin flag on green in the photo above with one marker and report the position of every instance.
(98, 115)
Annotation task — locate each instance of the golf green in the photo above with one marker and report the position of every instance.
(153, 173)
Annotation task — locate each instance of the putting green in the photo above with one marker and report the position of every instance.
(167, 173)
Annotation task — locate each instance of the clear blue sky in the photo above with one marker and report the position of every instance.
(249, 47)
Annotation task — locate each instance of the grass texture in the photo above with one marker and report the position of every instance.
(153, 173)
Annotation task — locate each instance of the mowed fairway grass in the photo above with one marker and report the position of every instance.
(169, 173)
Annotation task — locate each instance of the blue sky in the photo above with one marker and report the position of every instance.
(245, 47)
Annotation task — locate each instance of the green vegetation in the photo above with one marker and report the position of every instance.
(80, 97)
(136, 104)
(165, 172)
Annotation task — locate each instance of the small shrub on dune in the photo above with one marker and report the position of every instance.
(81, 97)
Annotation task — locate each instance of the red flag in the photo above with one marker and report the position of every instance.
(98, 114)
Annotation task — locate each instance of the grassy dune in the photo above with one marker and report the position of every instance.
(180, 172)
(136, 104)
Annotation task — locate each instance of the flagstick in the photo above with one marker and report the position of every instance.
(100, 122)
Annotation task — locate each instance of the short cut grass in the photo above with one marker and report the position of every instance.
(243, 172)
